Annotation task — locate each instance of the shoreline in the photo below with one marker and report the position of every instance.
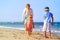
(34, 29)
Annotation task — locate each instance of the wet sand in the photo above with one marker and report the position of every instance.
(15, 34)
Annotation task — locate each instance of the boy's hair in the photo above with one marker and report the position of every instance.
(47, 8)
(28, 4)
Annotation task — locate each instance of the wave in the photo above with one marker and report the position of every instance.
(35, 29)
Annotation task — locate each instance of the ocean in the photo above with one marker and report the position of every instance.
(37, 25)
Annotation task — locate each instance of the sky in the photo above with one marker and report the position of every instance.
(11, 10)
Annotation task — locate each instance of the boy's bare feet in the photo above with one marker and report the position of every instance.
(44, 34)
(49, 34)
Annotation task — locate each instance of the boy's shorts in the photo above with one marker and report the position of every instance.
(47, 27)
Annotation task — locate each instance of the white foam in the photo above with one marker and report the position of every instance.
(35, 29)
(12, 27)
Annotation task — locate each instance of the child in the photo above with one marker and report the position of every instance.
(47, 22)
(29, 25)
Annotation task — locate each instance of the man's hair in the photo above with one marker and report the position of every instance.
(28, 4)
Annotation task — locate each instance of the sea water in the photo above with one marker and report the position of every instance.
(37, 25)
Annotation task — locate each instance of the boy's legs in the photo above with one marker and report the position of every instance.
(44, 34)
(49, 30)
(49, 34)
(44, 29)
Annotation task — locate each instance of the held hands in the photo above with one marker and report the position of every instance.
(33, 25)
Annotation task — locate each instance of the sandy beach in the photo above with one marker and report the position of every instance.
(15, 34)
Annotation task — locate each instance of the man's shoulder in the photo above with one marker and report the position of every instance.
(24, 9)
(30, 8)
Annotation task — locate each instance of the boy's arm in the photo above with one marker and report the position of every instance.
(52, 19)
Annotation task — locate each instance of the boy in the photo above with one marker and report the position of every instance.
(47, 22)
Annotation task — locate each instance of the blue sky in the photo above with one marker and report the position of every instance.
(11, 10)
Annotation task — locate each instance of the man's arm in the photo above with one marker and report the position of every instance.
(23, 15)
(32, 13)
